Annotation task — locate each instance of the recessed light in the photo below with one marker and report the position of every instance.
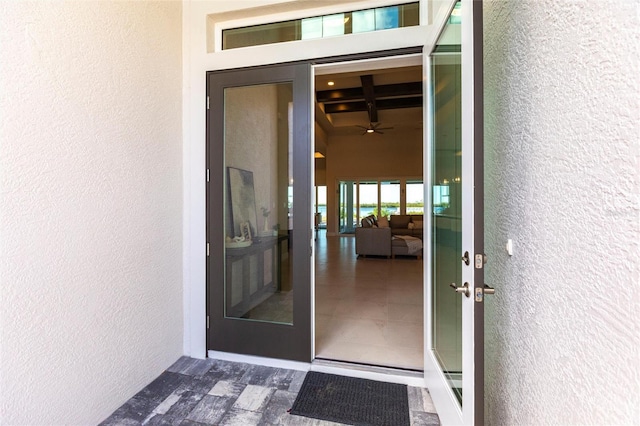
(330, 83)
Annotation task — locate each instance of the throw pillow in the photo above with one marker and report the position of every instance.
(418, 224)
(399, 221)
(411, 225)
(383, 222)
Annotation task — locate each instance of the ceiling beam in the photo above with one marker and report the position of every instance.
(339, 95)
(382, 104)
(369, 97)
(382, 91)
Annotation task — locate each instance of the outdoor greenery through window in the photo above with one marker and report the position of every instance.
(360, 21)
(359, 199)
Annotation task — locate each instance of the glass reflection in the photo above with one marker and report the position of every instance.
(447, 204)
(258, 199)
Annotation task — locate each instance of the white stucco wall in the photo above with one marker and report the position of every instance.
(91, 207)
(562, 134)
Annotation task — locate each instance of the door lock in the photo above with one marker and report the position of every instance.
(481, 291)
(465, 258)
(463, 290)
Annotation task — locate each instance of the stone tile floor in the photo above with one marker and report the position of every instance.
(212, 392)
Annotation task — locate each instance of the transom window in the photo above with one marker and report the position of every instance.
(359, 21)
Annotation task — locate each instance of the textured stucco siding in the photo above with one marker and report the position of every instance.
(91, 199)
(562, 131)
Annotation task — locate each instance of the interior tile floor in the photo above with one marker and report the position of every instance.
(212, 392)
(370, 309)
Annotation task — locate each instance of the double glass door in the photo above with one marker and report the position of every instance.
(258, 211)
(260, 221)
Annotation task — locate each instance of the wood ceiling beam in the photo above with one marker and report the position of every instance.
(382, 91)
(369, 97)
(382, 104)
(339, 95)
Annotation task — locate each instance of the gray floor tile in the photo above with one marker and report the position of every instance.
(210, 409)
(191, 366)
(254, 398)
(194, 393)
(201, 384)
(135, 410)
(259, 375)
(239, 417)
(424, 419)
(190, 423)
(232, 371)
(427, 401)
(277, 408)
(162, 387)
(227, 389)
(181, 409)
(296, 381)
(416, 401)
(281, 379)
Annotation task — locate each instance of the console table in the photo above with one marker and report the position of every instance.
(252, 293)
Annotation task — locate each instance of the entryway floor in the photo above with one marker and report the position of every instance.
(196, 392)
(368, 310)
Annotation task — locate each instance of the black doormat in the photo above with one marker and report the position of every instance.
(352, 401)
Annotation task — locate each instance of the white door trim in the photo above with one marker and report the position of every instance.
(196, 62)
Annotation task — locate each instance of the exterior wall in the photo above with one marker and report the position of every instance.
(91, 220)
(562, 127)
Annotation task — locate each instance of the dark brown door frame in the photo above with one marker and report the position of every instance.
(248, 337)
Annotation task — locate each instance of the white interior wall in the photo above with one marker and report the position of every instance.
(91, 219)
(562, 132)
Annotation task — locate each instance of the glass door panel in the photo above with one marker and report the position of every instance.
(446, 216)
(258, 201)
(259, 160)
(389, 198)
(346, 206)
(454, 366)
(367, 200)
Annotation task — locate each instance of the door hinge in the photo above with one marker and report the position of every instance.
(207, 175)
(207, 102)
(207, 249)
(207, 321)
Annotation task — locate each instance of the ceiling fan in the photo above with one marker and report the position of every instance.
(374, 128)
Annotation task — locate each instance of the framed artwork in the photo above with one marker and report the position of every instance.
(242, 201)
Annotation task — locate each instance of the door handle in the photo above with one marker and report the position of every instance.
(463, 290)
(489, 290)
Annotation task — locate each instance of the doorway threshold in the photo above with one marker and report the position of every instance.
(371, 372)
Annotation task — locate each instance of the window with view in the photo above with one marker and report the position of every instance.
(360, 21)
